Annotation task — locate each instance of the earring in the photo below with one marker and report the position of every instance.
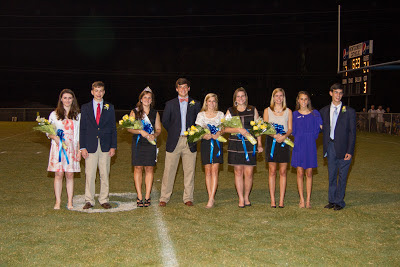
(236, 103)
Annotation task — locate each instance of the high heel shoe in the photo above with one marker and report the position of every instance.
(147, 202)
(139, 202)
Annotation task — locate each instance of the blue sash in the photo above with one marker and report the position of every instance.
(213, 130)
(279, 130)
(60, 134)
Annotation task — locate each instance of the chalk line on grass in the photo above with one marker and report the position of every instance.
(130, 204)
(383, 141)
(1, 139)
(167, 247)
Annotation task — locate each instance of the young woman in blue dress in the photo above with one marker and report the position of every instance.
(307, 123)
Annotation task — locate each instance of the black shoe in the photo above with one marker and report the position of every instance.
(337, 207)
(88, 205)
(147, 202)
(139, 202)
(330, 206)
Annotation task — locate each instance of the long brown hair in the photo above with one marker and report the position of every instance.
(73, 111)
(139, 105)
(309, 106)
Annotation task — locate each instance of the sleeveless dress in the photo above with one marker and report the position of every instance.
(281, 154)
(71, 136)
(144, 153)
(202, 120)
(236, 155)
(306, 129)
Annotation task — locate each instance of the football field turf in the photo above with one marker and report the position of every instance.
(366, 232)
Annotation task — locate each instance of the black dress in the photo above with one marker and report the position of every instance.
(144, 153)
(236, 154)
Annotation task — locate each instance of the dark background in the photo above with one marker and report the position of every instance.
(46, 46)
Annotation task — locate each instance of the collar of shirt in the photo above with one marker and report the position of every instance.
(95, 106)
(338, 106)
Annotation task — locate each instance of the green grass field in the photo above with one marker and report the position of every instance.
(366, 232)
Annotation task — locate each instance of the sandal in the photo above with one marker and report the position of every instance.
(139, 202)
(147, 202)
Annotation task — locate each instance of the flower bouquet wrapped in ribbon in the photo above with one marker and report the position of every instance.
(195, 132)
(48, 128)
(235, 122)
(129, 122)
(261, 127)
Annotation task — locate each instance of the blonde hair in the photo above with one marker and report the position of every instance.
(208, 96)
(272, 103)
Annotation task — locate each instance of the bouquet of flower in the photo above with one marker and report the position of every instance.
(235, 122)
(48, 128)
(196, 132)
(261, 127)
(45, 126)
(129, 122)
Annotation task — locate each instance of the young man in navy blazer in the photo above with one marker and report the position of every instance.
(179, 114)
(339, 128)
(98, 141)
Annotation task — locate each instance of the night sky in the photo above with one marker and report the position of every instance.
(218, 45)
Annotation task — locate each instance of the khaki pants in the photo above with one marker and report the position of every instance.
(102, 160)
(171, 165)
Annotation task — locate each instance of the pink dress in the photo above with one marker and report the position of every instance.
(71, 136)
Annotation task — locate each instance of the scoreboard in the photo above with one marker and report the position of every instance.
(357, 82)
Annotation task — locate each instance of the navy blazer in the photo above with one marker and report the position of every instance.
(345, 130)
(171, 121)
(90, 132)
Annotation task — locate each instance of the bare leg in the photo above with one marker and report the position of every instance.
(239, 183)
(70, 188)
(149, 172)
(309, 187)
(282, 183)
(58, 180)
(248, 183)
(213, 185)
(271, 179)
(137, 177)
(300, 185)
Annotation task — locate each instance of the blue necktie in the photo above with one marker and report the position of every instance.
(334, 119)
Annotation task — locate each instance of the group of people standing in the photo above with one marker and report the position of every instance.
(93, 135)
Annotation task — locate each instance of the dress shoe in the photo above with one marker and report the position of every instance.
(330, 206)
(242, 207)
(248, 205)
(281, 206)
(337, 207)
(106, 205)
(189, 203)
(162, 204)
(274, 207)
(88, 205)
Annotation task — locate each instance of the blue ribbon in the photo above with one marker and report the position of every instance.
(240, 136)
(279, 130)
(60, 134)
(214, 130)
(147, 127)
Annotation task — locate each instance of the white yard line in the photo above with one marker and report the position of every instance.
(167, 247)
(14, 135)
(368, 138)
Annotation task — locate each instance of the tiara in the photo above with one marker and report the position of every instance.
(147, 89)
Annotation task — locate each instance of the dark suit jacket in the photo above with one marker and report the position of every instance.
(90, 132)
(345, 130)
(171, 121)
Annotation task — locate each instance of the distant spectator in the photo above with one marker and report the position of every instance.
(372, 118)
(362, 120)
(380, 120)
(388, 121)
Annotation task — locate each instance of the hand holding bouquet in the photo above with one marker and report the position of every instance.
(261, 127)
(129, 122)
(235, 122)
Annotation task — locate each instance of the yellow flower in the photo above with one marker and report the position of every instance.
(343, 109)
(131, 118)
(255, 127)
(193, 128)
(107, 106)
(186, 133)
(191, 133)
(263, 126)
(192, 103)
(125, 117)
(222, 120)
(252, 123)
(120, 122)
